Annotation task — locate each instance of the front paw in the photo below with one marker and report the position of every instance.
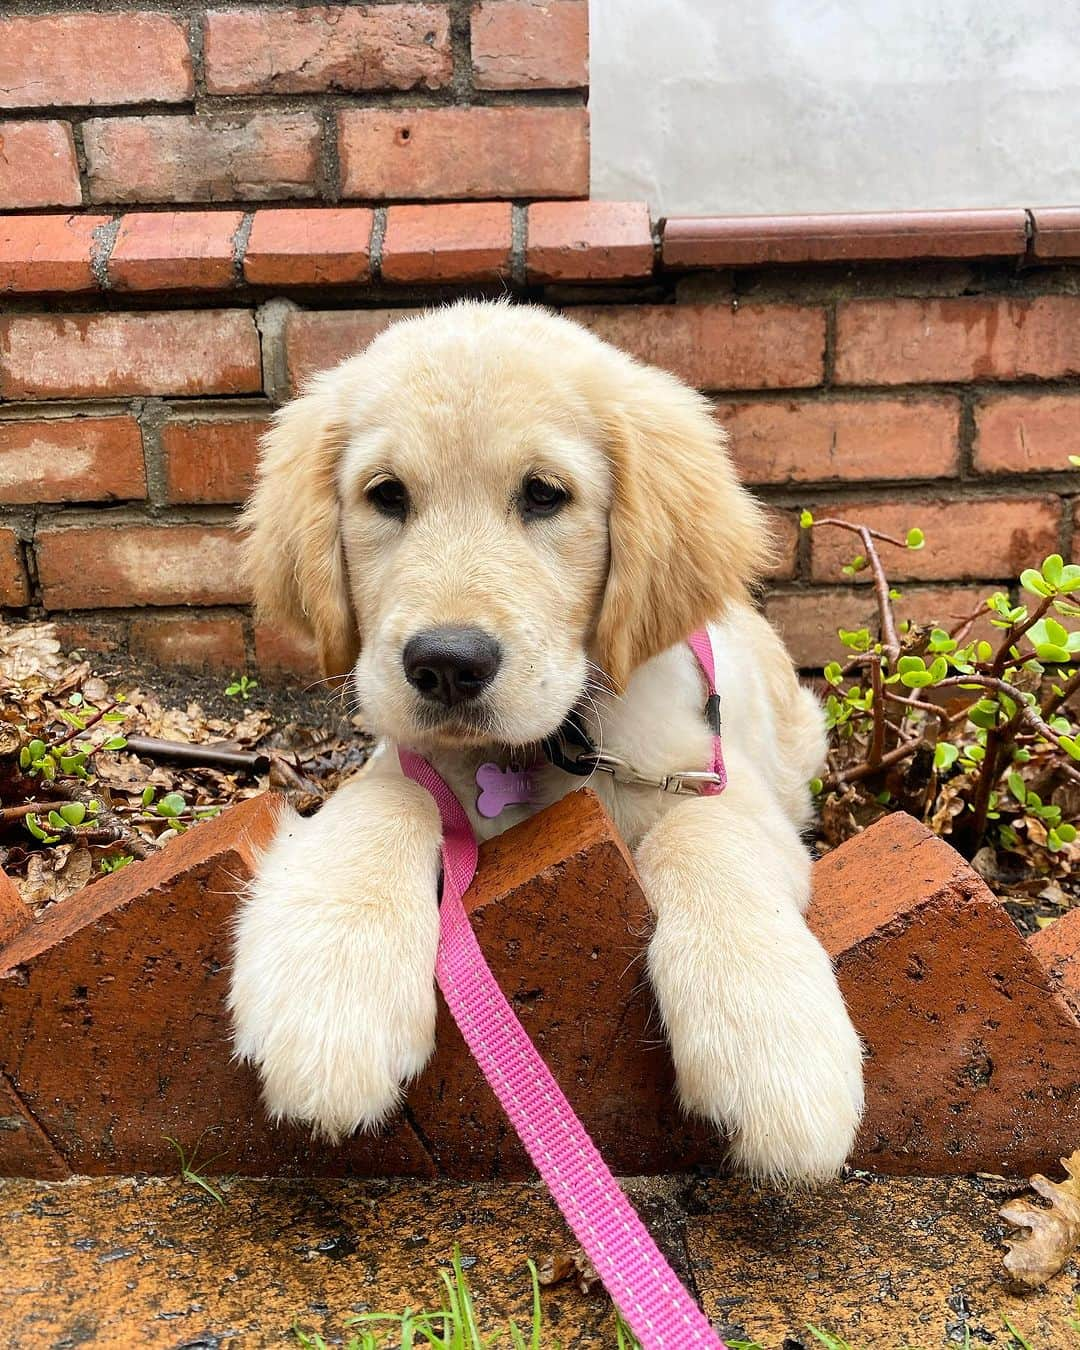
(778, 1067)
(332, 994)
(796, 1124)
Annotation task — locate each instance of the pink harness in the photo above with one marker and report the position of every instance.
(642, 1285)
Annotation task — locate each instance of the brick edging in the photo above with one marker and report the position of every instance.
(473, 242)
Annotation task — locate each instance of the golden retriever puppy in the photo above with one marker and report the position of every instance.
(489, 519)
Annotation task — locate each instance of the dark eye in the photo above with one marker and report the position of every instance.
(542, 497)
(388, 495)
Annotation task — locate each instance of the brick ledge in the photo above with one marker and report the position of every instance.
(477, 242)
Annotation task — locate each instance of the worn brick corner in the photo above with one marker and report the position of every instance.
(15, 913)
(114, 1030)
(559, 912)
(973, 1059)
(1057, 949)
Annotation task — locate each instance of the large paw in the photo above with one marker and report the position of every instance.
(773, 1061)
(333, 994)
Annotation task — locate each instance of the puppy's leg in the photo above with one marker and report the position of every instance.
(332, 992)
(761, 1039)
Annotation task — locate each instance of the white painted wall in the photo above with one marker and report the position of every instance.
(742, 106)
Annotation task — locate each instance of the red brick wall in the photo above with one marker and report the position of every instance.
(266, 102)
(935, 395)
(201, 205)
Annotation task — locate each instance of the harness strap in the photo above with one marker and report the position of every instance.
(642, 1285)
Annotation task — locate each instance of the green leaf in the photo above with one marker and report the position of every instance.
(57, 821)
(37, 750)
(939, 669)
(1066, 833)
(805, 520)
(1052, 569)
(73, 813)
(24, 757)
(72, 763)
(915, 538)
(75, 700)
(115, 743)
(941, 641)
(172, 804)
(857, 639)
(833, 673)
(115, 716)
(1033, 581)
(816, 786)
(983, 651)
(1071, 746)
(147, 796)
(1017, 787)
(916, 679)
(35, 827)
(945, 755)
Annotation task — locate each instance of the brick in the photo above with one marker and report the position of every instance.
(717, 346)
(91, 633)
(25, 1150)
(857, 236)
(174, 250)
(589, 241)
(465, 241)
(323, 247)
(211, 460)
(47, 253)
(107, 355)
(184, 640)
(548, 892)
(964, 338)
(281, 653)
(14, 583)
(129, 978)
(1026, 433)
(71, 459)
(519, 44)
(811, 440)
(807, 619)
(38, 166)
(15, 913)
(208, 158)
(318, 340)
(1057, 232)
(973, 1061)
(1057, 949)
(438, 153)
(137, 564)
(312, 50)
(993, 538)
(88, 60)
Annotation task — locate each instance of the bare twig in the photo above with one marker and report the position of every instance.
(877, 741)
(212, 756)
(890, 640)
(943, 717)
(864, 770)
(105, 815)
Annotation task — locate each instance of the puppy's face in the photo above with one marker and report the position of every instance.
(481, 504)
(474, 495)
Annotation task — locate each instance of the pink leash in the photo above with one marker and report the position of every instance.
(644, 1288)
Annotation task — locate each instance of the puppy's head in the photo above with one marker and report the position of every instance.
(483, 503)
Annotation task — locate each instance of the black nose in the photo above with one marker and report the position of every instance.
(451, 665)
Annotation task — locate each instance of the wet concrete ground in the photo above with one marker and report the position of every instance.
(887, 1264)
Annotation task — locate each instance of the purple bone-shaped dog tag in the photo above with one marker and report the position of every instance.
(500, 788)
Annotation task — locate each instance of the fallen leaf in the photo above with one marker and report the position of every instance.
(1053, 1233)
(560, 1266)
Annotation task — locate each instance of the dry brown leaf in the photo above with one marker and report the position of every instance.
(1054, 1232)
(55, 875)
(575, 1265)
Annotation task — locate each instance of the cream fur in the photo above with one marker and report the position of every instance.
(332, 986)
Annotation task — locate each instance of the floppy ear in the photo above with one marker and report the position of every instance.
(685, 537)
(292, 553)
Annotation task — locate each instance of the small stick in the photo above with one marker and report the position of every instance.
(209, 756)
(890, 640)
(865, 770)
